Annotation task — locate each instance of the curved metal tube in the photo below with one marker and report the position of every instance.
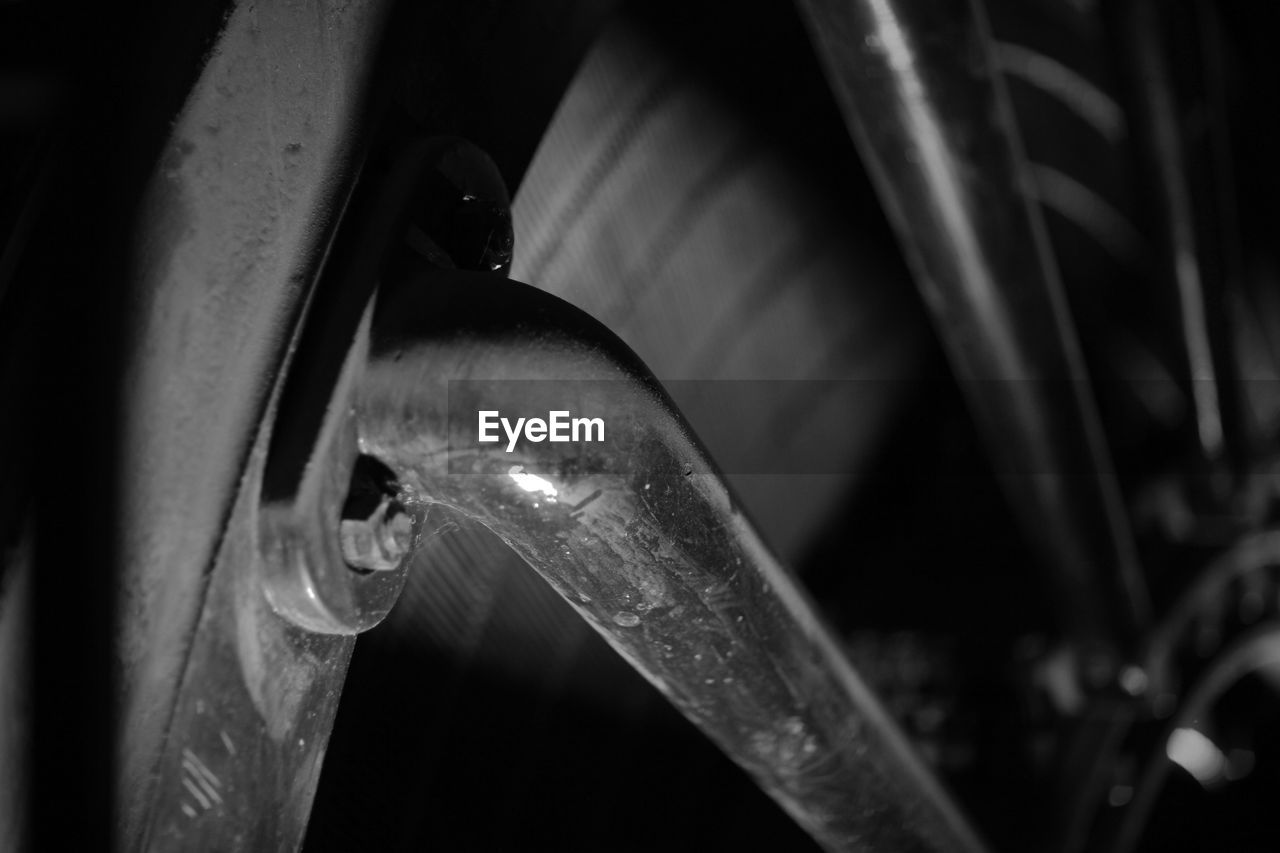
(639, 534)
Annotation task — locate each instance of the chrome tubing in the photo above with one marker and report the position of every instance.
(639, 534)
(1195, 273)
(934, 127)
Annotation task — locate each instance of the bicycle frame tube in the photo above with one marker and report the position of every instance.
(1194, 256)
(230, 698)
(642, 538)
(226, 707)
(935, 128)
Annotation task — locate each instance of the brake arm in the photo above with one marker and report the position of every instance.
(639, 535)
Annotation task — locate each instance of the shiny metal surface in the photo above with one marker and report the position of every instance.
(641, 537)
(259, 688)
(15, 704)
(225, 706)
(252, 714)
(228, 697)
(1195, 283)
(303, 573)
(934, 126)
(1256, 653)
(623, 213)
(238, 614)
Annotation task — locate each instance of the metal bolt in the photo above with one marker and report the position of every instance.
(379, 542)
(462, 216)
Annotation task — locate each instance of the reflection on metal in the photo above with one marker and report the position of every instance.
(1155, 99)
(1256, 653)
(935, 129)
(225, 707)
(642, 538)
(1165, 145)
(254, 698)
(461, 215)
(15, 707)
(1195, 753)
(1098, 109)
(1089, 212)
(1240, 583)
(304, 571)
(1222, 629)
(260, 686)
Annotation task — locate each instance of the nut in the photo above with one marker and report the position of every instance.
(380, 542)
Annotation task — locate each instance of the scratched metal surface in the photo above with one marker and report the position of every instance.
(193, 493)
(658, 202)
(644, 541)
(930, 114)
(657, 207)
(707, 241)
(236, 218)
(255, 706)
